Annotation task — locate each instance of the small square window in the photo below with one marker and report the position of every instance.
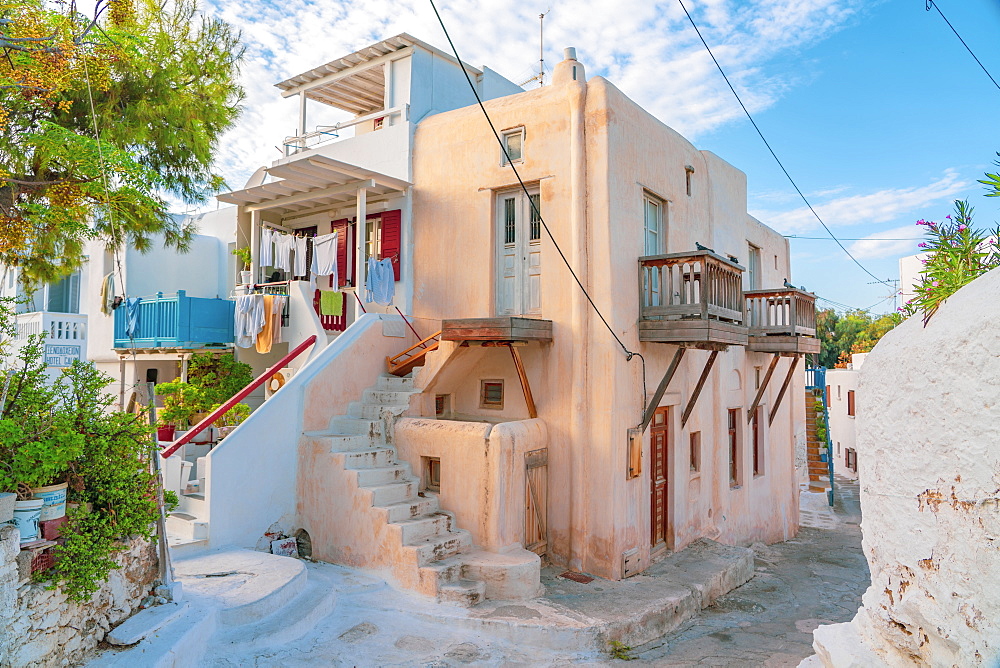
(432, 474)
(377, 125)
(442, 405)
(513, 142)
(491, 394)
(695, 451)
(688, 172)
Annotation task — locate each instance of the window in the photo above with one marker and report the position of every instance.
(491, 394)
(432, 474)
(838, 393)
(850, 402)
(513, 142)
(758, 444)
(535, 221)
(756, 378)
(652, 225)
(695, 451)
(838, 447)
(827, 398)
(688, 172)
(64, 296)
(442, 405)
(753, 267)
(734, 447)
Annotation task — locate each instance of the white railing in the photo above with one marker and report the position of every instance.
(328, 133)
(66, 335)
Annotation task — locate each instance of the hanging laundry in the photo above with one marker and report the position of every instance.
(380, 283)
(132, 316)
(331, 302)
(325, 255)
(266, 256)
(277, 309)
(249, 319)
(108, 294)
(265, 337)
(283, 245)
(301, 256)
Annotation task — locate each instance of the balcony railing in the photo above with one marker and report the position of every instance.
(328, 133)
(787, 312)
(65, 335)
(176, 321)
(681, 286)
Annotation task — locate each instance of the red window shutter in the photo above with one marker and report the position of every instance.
(340, 227)
(391, 238)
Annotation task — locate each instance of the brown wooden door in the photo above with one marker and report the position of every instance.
(659, 441)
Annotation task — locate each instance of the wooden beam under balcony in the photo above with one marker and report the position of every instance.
(496, 329)
(691, 299)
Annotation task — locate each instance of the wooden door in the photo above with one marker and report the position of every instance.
(659, 447)
(536, 465)
(519, 245)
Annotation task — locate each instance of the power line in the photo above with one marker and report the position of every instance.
(773, 154)
(927, 7)
(795, 236)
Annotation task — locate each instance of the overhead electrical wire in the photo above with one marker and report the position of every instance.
(795, 236)
(927, 6)
(771, 150)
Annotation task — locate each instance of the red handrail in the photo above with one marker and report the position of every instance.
(242, 394)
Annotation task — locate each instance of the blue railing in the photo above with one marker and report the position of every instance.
(176, 321)
(816, 377)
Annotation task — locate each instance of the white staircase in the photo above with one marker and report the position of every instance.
(430, 545)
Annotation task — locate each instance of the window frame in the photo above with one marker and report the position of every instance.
(660, 231)
(850, 403)
(754, 266)
(505, 151)
(492, 405)
(735, 449)
(758, 443)
(694, 452)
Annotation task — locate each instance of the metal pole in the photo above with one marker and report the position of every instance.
(166, 568)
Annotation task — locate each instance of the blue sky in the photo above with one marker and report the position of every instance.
(875, 107)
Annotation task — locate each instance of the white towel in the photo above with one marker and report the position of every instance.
(325, 255)
(266, 247)
(249, 319)
(283, 244)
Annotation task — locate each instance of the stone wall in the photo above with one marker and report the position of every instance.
(40, 627)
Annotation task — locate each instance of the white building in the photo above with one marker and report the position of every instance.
(841, 389)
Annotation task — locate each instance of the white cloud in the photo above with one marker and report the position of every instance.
(888, 243)
(647, 49)
(878, 207)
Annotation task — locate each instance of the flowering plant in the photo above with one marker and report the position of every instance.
(958, 254)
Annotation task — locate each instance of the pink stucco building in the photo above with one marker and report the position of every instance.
(530, 422)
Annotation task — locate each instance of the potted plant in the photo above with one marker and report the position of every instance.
(246, 256)
(231, 419)
(180, 403)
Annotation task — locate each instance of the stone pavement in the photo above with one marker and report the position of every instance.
(817, 578)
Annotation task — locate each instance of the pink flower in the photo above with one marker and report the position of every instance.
(934, 284)
(922, 245)
(961, 228)
(948, 217)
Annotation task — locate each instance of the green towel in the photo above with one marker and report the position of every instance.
(331, 303)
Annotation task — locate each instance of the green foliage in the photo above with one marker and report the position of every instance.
(619, 650)
(959, 253)
(234, 416)
(170, 500)
(62, 430)
(820, 420)
(180, 401)
(219, 377)
(101, 116)
(245, 255)
(850, 332)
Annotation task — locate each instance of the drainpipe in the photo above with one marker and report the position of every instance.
(570, 73)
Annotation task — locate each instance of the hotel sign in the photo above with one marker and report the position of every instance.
(61, 356)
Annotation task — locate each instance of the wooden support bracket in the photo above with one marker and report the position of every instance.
(661, 388)
(528, 399)
(784, 387)
(697, 388)
(763, 386)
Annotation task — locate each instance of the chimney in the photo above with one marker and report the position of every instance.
(570, 69)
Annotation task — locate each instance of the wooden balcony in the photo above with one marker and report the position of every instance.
(692, 299)
(781, 321)
(496, 330)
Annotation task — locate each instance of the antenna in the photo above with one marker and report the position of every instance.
(540, 77)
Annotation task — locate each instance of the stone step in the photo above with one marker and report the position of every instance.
(446, 545)
(435, 575)
(395, 384)
(192, 504)
(466, 593)
(395, 492)
(383, 475)
(406, 510)
(357, 409)
(185, 526)
(347, 426)
(368, 458)
(421, 528)
(387, 397)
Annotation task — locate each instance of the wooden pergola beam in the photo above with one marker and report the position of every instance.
(528, 399)
(784, 387)
(697, 388)
(661, 388)
(763, 386)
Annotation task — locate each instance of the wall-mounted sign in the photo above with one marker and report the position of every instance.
(60, 356)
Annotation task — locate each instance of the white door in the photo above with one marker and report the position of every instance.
(519, 254)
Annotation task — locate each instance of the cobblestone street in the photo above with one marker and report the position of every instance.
(814, 579)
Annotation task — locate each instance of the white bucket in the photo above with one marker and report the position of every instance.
(26, 515)
(54, 497)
